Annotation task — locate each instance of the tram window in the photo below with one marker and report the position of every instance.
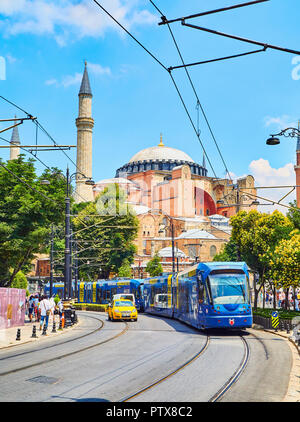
(98, 298)
(107, 294)
(113, 291)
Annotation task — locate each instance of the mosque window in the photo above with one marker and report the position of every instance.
(207, 211)
(213, 251)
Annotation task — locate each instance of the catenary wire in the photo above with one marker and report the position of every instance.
(165, 68)
(194, 90)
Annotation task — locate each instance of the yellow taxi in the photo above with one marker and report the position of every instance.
(121, 309)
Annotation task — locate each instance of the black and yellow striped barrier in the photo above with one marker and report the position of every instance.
(275, 320)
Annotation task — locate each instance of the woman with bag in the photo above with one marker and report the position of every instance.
(45, 308)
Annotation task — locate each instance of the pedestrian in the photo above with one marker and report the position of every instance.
(36, 307)
(30, 308)
(60, 309)
(45, 308)
(52, 303)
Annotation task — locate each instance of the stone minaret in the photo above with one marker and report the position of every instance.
(297, 169)
(15, 140)
(85, 124)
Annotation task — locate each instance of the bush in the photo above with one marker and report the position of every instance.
(282, 313)
(90, 307)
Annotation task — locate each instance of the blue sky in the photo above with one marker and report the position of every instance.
(45, 43)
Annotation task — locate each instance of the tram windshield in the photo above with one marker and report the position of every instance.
(229, 288)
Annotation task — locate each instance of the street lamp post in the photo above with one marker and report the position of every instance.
(289, 132)
(68, 281)
(51, 261)
(173, 240)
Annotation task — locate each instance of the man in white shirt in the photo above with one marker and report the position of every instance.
(45, 307)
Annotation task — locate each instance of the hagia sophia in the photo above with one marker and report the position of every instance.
(167, 190)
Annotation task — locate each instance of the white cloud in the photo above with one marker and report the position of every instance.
(97, 69)
(69, 80)
(10, 58)
(281, 122)
(265, 175)
(71, 19)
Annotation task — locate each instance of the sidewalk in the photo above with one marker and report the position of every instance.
(8, 335)
(293, 393)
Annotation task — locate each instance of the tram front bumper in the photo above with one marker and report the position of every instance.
(232, 321)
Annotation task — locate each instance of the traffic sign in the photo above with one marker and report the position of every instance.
(275, 319)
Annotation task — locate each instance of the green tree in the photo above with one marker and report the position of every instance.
(228, 253)
(294, 215)
(257, 235)
(154, 267)
(20, 281)
(109, 226)
(285, 263)
(125, 269)
(27, 209)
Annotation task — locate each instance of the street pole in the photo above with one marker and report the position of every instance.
(238, 200)
(71, 263)
(67, 242)
(51, 261)
(173, 248)
(75, 268)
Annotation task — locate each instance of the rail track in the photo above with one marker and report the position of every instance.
(66, 354)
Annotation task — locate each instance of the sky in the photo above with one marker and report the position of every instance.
(43, 46)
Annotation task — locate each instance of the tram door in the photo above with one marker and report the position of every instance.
(201, 301)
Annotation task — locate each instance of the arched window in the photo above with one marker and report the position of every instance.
(213, 251)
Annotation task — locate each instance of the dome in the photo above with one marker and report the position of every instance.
(161, 152)
(160, 158)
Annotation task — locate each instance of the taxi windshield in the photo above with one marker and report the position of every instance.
(120, 303)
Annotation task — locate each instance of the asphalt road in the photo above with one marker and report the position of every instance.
(114, 360)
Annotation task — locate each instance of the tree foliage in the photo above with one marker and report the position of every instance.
(154, 267)
(285, 262)
(111, 225)
(256, 236)
(27, 209)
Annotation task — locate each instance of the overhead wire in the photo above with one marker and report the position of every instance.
(194, 90)
(165, 68)
(38, 125)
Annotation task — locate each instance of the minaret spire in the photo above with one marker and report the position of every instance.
(85, 87)
(85, 124)
(14, 140)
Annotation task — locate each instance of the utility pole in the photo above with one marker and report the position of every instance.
(173, 246)
(67, 242)
(75, 267)
(51, 260)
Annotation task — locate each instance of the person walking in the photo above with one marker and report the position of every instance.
(60, 309)
(53, 305)
(30, 308)
(45, 308)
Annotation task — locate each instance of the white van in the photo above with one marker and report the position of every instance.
(125, 296)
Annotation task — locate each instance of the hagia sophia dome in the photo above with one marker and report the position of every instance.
(160, 157)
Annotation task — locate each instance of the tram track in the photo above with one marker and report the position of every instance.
(57, 344)
(159, 381)
(228, 384)
(69, 353)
